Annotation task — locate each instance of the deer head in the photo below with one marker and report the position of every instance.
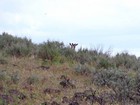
(72, 45)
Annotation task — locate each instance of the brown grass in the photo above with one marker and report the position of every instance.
(47, 79)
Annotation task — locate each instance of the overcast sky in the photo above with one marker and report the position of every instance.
(111, 24)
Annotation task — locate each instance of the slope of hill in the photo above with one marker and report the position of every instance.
(51, 73)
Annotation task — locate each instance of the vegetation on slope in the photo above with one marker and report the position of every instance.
(31, 74)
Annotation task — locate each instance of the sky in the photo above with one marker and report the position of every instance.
(112, 24)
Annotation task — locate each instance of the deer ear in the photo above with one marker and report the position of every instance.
(69, 43)
(75, 44)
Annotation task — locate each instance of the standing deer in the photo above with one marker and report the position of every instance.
(72, 45)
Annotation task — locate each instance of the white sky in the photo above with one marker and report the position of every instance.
(110, 23)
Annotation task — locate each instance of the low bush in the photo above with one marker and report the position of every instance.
(84, 56)
(127, 61)
(18, 50)
(3, 102)
(83, 69)
(50, 51)
(69, 54)
(104, 63)
(118, 80)
(15, 77)
(15, 46)
(3, 75)
(3, 60)
(33, 79)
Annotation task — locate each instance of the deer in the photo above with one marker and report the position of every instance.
(73, 46)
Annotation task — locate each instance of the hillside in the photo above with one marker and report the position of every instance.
(51, 73)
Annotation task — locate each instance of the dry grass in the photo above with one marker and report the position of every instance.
(46, 79)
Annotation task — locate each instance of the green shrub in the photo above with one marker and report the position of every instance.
(50, 51)
(3, 102)
(95, 57)
(118, 80)
(84, 56)
(127, 61)
(83, 69)
(3, 75)
(33, 79)
(6, 40)
(3, 60)
(18, 50)
(15, 77)
(138, 80)
(69, 53)
(15, 46)
(104, 63)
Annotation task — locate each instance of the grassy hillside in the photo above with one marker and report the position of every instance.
(51, 73)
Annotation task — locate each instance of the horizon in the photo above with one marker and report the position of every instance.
(99, 47)
(90, 23)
